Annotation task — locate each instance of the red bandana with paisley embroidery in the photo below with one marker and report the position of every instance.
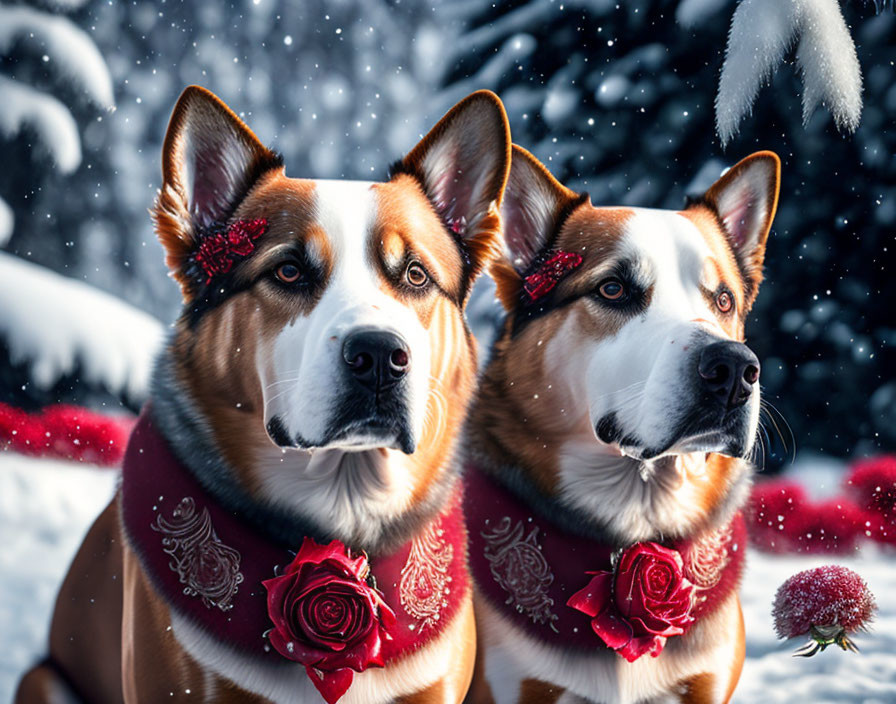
(575, 592)
(321, 606)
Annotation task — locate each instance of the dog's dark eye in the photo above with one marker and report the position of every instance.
(612, 290)
(725, 301)
(289, 272)
(416, 275)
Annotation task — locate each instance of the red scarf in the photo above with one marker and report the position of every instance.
(574, 592)
(209, 565)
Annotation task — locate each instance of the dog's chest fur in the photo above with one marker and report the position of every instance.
(413, 673)
(512, 657)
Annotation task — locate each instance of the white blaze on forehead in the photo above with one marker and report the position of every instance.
(676, 252)
(346, 210)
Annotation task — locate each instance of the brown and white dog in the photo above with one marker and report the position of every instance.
(314, 385)
(614, 412)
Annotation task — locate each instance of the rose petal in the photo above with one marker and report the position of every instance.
(648, 624)
(312, 552)
(659, 643)
(637, 647)
(363, 655)
(630, 602)
(660, 580)
(297, 651)
(612, 629)
(593, 598)
(277, 589)
(654, 628)
(358, 610)
(331, 685)
(629, 557)
(387, 615)
(668, 555)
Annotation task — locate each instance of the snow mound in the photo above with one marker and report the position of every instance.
(761, 33)
(46, 507)
(54, 323)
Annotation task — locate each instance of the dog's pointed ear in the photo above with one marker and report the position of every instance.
(462, 165)
(534, 205)
(745, 199)
(210, 161)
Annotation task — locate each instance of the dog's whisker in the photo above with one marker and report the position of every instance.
(760, 447)
(632, 401)
(276, 396)
(770, 411)
(621, 391)
(291, 380)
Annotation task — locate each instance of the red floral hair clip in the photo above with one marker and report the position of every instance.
(548, 275)
(219, 251)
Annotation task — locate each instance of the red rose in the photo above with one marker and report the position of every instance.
(642, 602)
(327, 617)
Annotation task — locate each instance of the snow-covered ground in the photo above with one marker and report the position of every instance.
(47, 506)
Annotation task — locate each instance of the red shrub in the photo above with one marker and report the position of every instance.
(829, 526)
(872, 484)
(66, 432)
(772, 507)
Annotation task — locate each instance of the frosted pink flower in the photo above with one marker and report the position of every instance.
(826, 603)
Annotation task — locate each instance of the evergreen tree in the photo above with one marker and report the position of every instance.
(50, 72)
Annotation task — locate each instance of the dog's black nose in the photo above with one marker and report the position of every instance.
(377, 359)
(728, 371)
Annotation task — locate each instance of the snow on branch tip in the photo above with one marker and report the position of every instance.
(761, 33)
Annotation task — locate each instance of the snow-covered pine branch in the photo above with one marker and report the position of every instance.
(761, 33)
(59, 325)
(66, 45)
(829, 65)
(50, 119)
(75, 59)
